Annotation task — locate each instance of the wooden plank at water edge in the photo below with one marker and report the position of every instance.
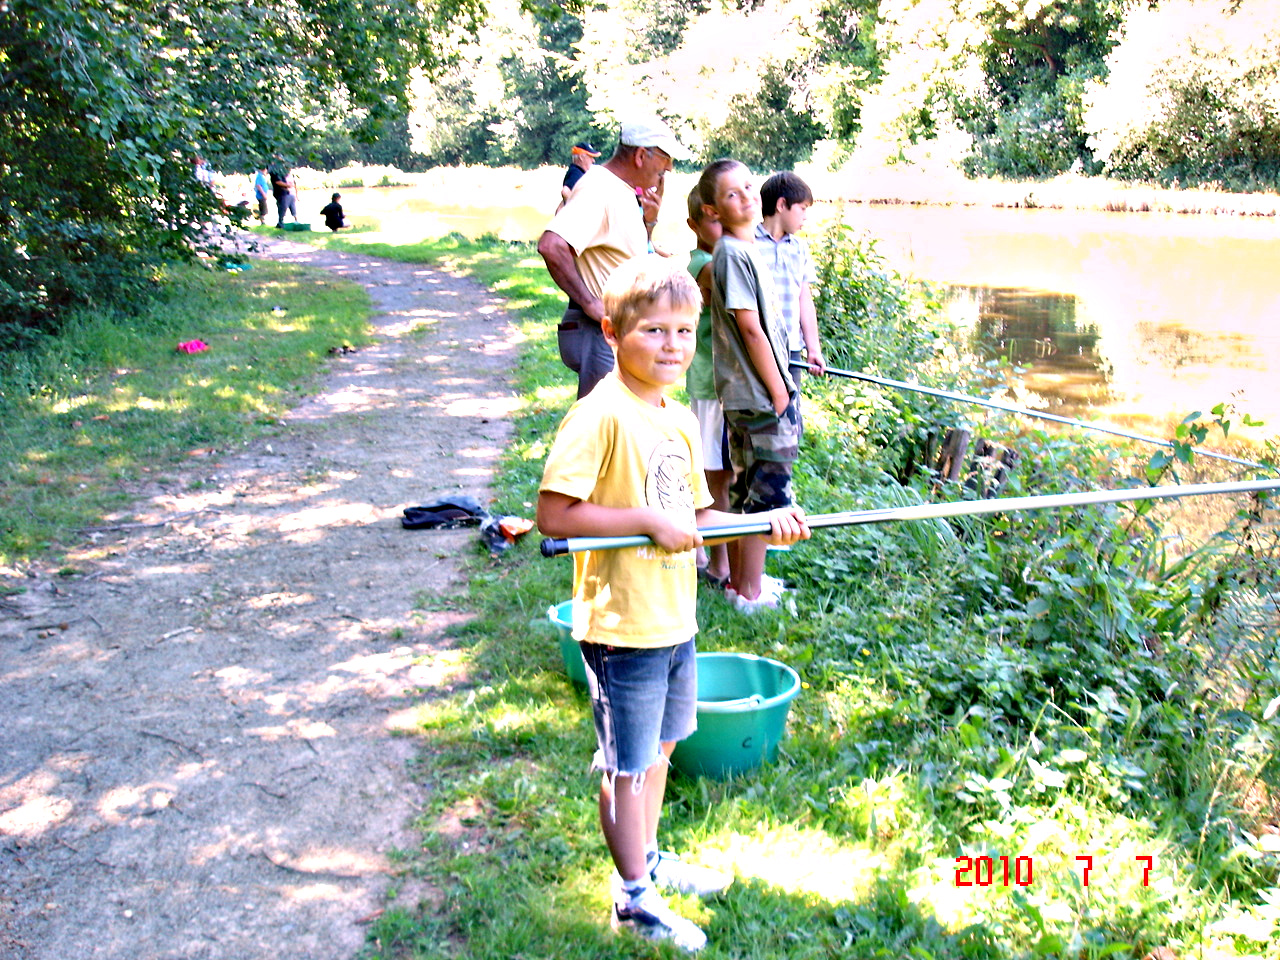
(951, 459)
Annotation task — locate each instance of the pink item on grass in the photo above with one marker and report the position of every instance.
(193, 346)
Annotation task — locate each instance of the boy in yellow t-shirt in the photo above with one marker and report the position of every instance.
(627, 460)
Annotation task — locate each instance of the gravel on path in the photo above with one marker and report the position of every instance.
(198, 749)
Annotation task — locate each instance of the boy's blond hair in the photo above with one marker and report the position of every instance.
(643, 281)
(696, 213)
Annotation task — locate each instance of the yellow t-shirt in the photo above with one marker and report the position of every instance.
(603, 224)
(616, 450)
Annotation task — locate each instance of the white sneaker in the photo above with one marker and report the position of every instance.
(648, 915)
(669, 871)
(772, 585)
(766, 601)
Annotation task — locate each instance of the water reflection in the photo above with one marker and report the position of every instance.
(1037, 331)
(1182, 311)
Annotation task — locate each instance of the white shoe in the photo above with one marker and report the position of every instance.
(669, 871)
(648, 915)
(772, 585)
(766, 601)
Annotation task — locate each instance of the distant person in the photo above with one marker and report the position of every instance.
(262, 190)
(600, 227)
(752, 374)
(202, 172)
(282, 187)
(584, 155)
(626, 461)
(332, 213)
(784, 202)
(700, 384)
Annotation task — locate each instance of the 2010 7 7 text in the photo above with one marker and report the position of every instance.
(1020, 871)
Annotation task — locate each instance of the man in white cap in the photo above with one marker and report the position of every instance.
(606, 221)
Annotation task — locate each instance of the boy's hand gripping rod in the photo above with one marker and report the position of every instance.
(552, 547)
(1023, 411)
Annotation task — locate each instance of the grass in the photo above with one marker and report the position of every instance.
(1050, 691)
(111, 402)
(974, 696)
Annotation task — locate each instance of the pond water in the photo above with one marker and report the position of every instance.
(1134, 318)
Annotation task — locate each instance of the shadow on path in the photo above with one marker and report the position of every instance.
(197, 756)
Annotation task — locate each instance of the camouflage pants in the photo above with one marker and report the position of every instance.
(762, 448)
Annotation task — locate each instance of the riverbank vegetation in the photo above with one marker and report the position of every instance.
(111, 403)
(1081, 695)
(108, 105)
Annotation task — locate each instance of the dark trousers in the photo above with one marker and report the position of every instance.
(797, 356)
(583, 349)
(286, 203)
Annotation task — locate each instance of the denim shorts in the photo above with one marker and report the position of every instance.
(641, 697)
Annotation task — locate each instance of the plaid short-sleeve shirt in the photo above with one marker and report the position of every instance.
(790, 265)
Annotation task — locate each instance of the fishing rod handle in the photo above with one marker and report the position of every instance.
(560, 546)
(554, 546)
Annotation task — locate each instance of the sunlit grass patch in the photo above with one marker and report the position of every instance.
(797, 860)
(943, 715)
(111, 399)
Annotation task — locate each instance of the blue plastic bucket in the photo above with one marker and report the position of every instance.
(743, 701)
(562, 616)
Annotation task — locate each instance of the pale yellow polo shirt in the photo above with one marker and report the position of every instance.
(603, 224)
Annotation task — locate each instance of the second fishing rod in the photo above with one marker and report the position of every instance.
(1025, 412)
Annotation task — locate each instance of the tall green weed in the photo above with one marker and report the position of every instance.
(1066, 688)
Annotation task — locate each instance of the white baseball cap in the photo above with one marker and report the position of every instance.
(652, 132)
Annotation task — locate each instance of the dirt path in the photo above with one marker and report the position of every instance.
(197, 750)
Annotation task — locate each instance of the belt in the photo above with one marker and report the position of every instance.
(586, 322)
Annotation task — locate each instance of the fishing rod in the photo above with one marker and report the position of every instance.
(553, 547)
(1010, 408)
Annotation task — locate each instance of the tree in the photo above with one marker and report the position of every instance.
(696, 66)
(1038, 58)
(1193, 96)
(544, 83)
(845, 61)
(764, 130)
(107, 101)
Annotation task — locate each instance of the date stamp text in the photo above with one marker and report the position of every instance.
(1020, 871)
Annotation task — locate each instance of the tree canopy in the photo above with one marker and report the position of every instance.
(107, 102)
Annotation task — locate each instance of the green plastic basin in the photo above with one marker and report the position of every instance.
(562, 616)
(743, 701)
